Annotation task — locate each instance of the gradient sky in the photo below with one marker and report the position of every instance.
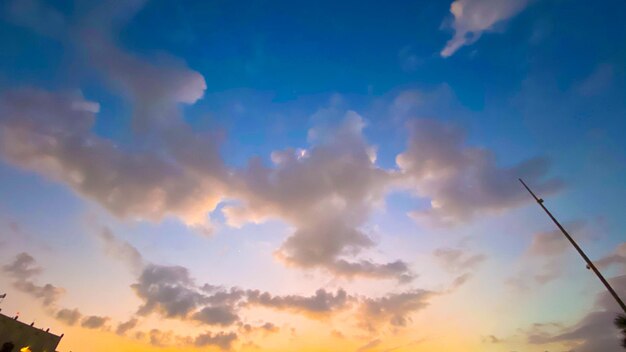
(312, 176)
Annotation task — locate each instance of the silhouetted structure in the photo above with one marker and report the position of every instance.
(580, 251)
(7, 347)
(620, 322)
(15, 335)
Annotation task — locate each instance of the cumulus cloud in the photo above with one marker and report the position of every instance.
(221, 340)
(321, 303)
(168, 290)
(474, 17)
(394, 308)
(50, 133)
(22, 269)
(463, 181)
(164, 177)
(68, 316)
(94, 322)
(326, 192)
(217, 315)
(593, 332)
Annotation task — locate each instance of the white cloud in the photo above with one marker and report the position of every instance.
(463, 181)
(474, 17)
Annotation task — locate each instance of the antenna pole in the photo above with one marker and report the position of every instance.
(590, 265)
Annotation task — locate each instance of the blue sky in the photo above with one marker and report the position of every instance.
(291, 147)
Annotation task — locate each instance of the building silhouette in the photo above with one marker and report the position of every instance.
(16, 336)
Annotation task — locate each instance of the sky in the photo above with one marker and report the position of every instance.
(313, 176)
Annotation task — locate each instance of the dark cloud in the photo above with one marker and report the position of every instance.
(221, 340)
(463, 181)
(168, 290)
(217, 315)
(594, 332)
(124, 327)
(22, 269)
(161, 338)
(267, 328)
(48, 293)
(94, 322)
(171, 292)
(322, 302)
(68, 316)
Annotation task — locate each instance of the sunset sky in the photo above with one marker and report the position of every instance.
(313, 175)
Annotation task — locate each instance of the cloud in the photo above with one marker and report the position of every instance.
(491, 339)
(22, 269)
(454, 259)
(545, 258)
(39, 16)
(463, 181)
(618, 257)
(326, 192)
(94, 322)
(221, 340)
(156, 89)
(161, 338)
(474, 17)
(124, 327)
(217, 315)
(593, 332)
(171, 292)
(266, 328)
(168, 290)
(68, 316)
(48, 293)
(322, 303)
(368, 346)
(50, 133)
(394, 308)
(121, 250)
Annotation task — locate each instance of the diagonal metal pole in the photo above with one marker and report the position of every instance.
(580, 251)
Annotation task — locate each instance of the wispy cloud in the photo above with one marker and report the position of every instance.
(471, 18)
